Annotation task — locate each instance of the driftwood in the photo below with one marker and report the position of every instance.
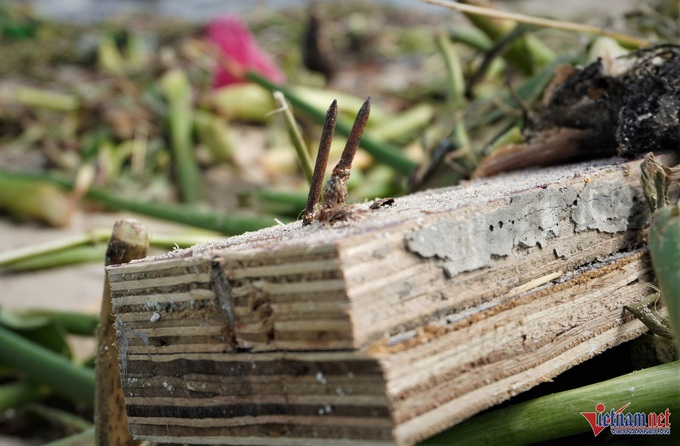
(390, 326)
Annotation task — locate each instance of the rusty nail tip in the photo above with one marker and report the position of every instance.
(354, 137)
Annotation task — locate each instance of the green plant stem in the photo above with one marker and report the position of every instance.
(528, 92)
(110, 58)
(88, 247)
(379, 181)
(404, 126)
(17, 393)
(225, 223)
(454, 71)
(511, 136)
(295, 136)
(74, 323)
(553, 416)
(39, 249)
(276, 201)
(60, 417)
(472, 37)
(526, 52)
(472, 10)
(214, 132)
(31, 198)
(68, 256)
(46, 367)
(664, 240)
(84, 438)
(180, 116)
(34, 97)
(381, 151)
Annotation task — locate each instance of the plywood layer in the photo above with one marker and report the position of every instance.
(391, 326)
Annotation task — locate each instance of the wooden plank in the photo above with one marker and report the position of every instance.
(391, 326)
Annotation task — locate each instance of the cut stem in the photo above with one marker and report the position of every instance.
(335, 193)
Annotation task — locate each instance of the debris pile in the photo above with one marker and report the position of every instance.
(626, 108)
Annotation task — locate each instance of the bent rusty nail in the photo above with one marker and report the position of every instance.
(335, 193)
(354, 137)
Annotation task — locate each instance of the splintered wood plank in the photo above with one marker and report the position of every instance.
(560, 326)
(391, 326)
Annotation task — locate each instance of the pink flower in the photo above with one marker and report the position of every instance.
(239, 47)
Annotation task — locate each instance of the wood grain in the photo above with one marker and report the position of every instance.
(391, 326)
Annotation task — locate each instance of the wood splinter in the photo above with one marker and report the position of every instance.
(335, 192)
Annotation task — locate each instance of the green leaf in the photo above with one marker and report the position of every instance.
(39, 329)
(43, 366)
(664, 249)
(17, 393)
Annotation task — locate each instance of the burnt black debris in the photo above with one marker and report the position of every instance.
(628, 114)
(648, 120)
(588, 100)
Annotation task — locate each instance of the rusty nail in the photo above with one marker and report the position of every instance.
(321, 162)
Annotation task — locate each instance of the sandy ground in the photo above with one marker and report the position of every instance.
(70, 288)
